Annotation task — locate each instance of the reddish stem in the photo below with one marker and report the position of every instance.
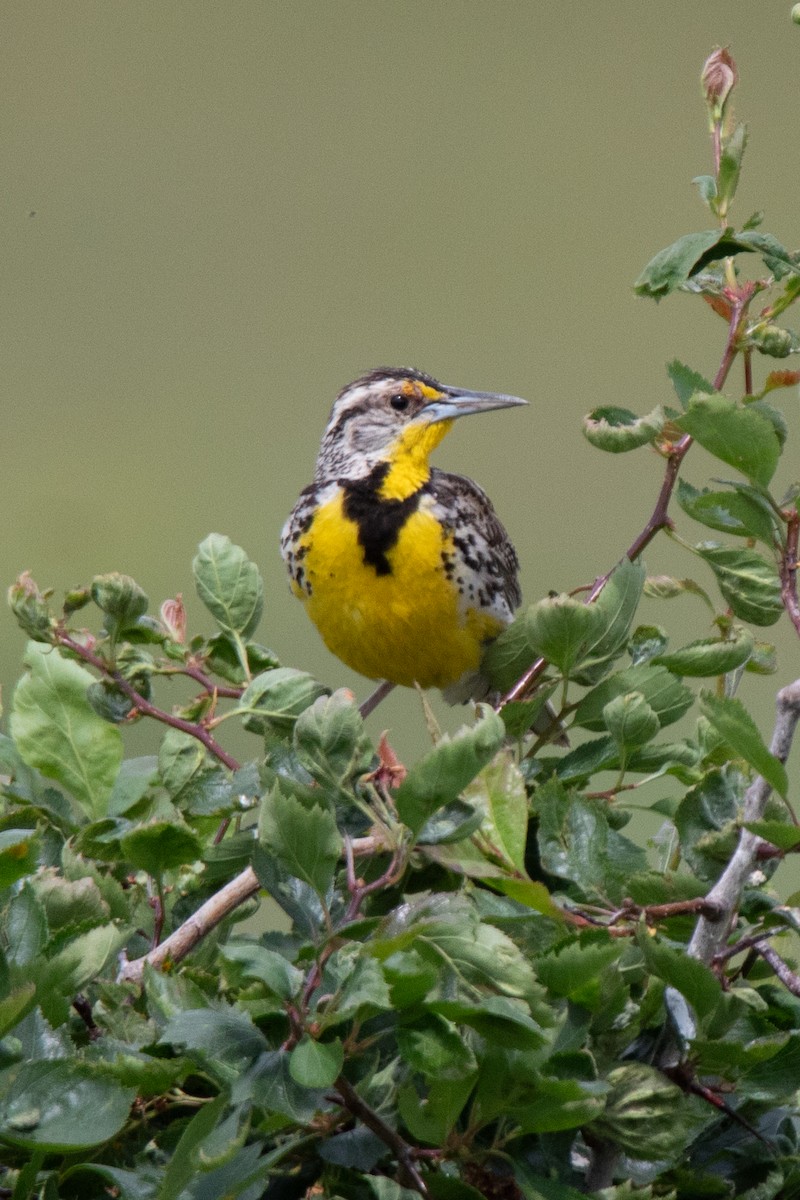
(788, 569)
(194, 729)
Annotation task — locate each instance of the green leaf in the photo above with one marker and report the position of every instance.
(276, 698)
(430, 1117)
(618, 429)
(686, 381)
(668, 698)
(645, 1114)
(229, 585)
(442, 774)
(25, 926)
(57, 731)
(120, 598)
(780, 833)
(618, 602)
(748, 582)
(630, 720)
(83, 959)
(673, 265)
(499, 792)
(259, 962)
(330, 742)
(707, 187)
(576, 970)
(60, 1107)
(316, 1064)
(742, 437)
(161, 846)
(707, 821)
(692, 978)
(737, 512)
(563, 630)
(182, 1167)
(434, 1048)
(730, 166)
(577, 843)
(224, 1042)
(304, 839)
(18, 855)
(710, 656)
(666, 587)
(15, 1006)
(732, 720)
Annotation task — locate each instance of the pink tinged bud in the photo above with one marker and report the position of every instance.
(718, 80)
(173, 617)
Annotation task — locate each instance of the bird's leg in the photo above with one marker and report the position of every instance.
(372, 702)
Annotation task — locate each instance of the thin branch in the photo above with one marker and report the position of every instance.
(180, 943)
(659, 518)
(143, 706)
(407, 1175)
(709, 935)
(787, 976)
(787, 569)
(207, 917)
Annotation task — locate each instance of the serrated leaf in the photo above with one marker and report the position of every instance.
(304, 839)
(259, 962)
(668, 698)
(707, 821)
(160, 846)
(276, 698)
(732, 720)
(577, 843)
(734, 512)
(618, 429)
(710, 656)
(57, 731)
(316, 1064)
(686, 382)
(229, 585)
(330, 741)
(742, 437)
(645, 1114)
(433, 1047)
(630, 720)
(692, 978)
(224, 1042)
(441, 776)
(83, 958)
(780, 833)
(618, 602)
(673, 265)
(748, 582)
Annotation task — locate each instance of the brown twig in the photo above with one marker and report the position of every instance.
(407, 1175)
(787, 569)
(787, 976)
(195, 729)
(659, 518)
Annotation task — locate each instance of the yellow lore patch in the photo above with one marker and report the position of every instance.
(408, 626)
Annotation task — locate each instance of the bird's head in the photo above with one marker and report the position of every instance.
(395, 415)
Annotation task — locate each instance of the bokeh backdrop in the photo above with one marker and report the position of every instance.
(217, 214)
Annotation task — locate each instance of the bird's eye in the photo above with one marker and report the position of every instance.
(399, 402)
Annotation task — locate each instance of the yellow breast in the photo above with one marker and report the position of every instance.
(407, 625)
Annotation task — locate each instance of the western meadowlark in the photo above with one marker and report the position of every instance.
(405, 570)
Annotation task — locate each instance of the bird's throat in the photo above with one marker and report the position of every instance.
(408, 458)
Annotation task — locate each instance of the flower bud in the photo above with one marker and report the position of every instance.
(76, 598)
(173, 618)
(30, 608)
(718, 80)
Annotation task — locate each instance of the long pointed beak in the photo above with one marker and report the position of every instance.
(457, 402)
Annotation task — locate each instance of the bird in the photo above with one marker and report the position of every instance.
(405, 569)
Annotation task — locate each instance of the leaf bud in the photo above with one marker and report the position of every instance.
(772, 340)
(718, 80)
(119, 596)
(76, 598)
(31, 609)
(173, 618)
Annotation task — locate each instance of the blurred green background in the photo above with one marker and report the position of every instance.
(217, 214)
